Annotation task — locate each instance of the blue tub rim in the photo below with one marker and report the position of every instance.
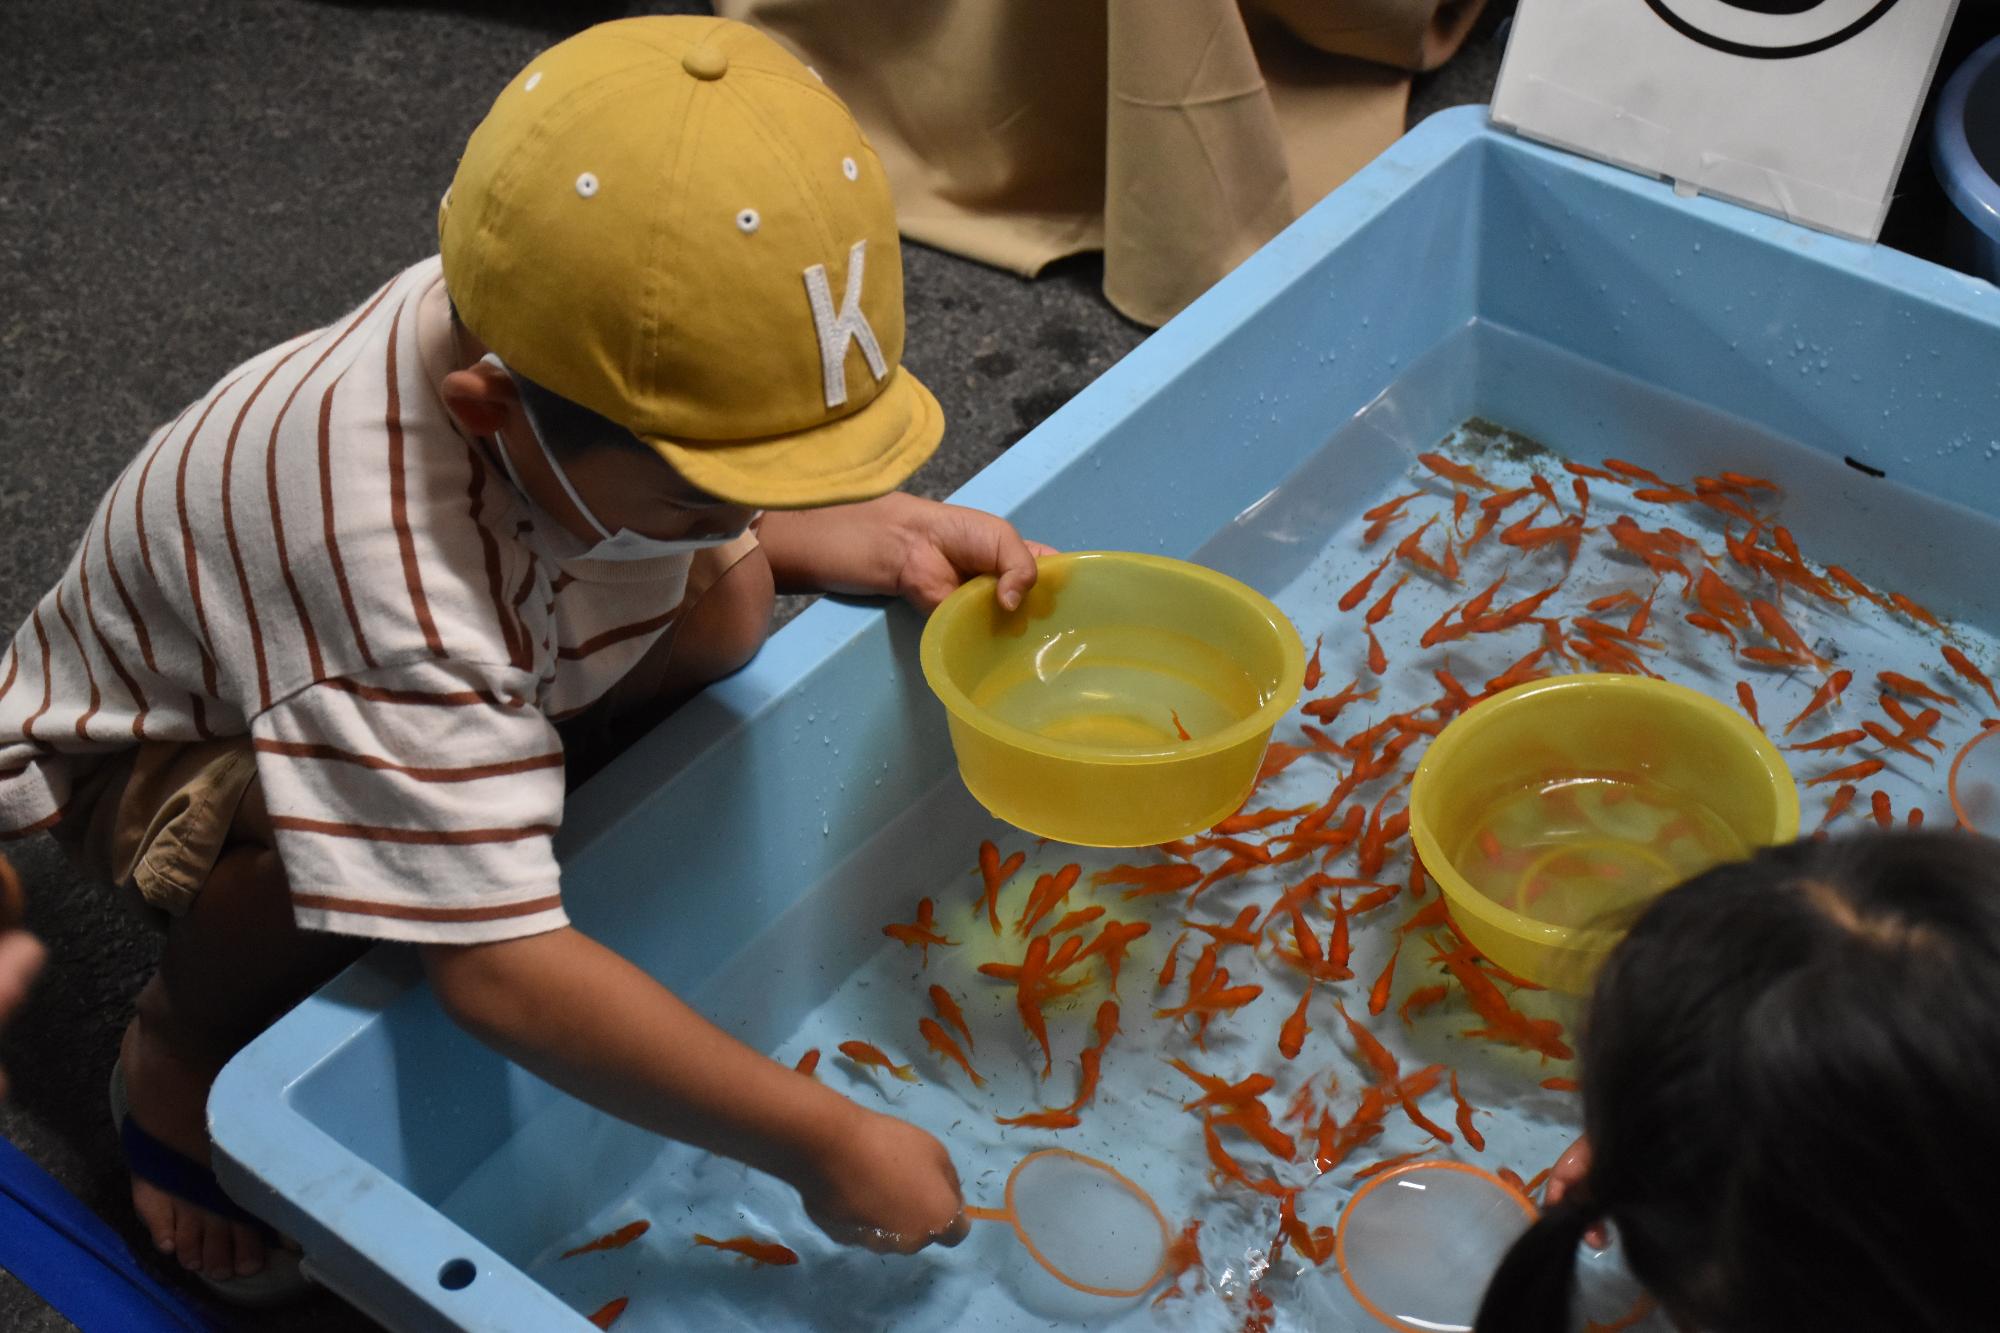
(1974, 193)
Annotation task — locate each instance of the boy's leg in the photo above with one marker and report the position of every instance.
(233, 962)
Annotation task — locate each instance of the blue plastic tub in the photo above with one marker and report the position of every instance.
(425, 1176)
(1965, 152)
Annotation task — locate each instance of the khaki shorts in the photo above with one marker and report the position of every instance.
(155, 819)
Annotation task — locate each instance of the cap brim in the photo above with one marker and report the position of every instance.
(868, 453)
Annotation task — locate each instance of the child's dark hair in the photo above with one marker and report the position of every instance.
(1791, 1088)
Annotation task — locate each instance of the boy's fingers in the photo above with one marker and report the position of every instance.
(960, 1228)
(1015, 563)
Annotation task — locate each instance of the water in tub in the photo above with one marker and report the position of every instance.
(1303, 546)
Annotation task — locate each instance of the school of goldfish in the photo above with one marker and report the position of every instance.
(1472, 568)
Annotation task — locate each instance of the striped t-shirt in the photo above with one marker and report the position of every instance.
(314, 555)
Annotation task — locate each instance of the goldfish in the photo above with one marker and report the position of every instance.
(1113, 938)
(1459, 502)
(1390, 509)
(1562, 1085)
(1838, 740)
(1748, 698)
(1144, 880)
(1075, 920)
(1913, 728)
(940, 1041)
(1585, 470)
(1092, 1057)
(1916, 689)
(1709, 624)
(1963, 666)
(947, 1009)
(1421, 999)
(1184, 1253)
(1241, 931)
(1633, 472)
(1916, 819)
(1312, 667)
(1385, 603)
(1354, 595)
(1334, 1142)
(611, 1240)
(1465, 1113)
(1391, 1163)
(1378, 661)
(1722, 601)
(1254, 1120)
(1373, 1053)
(1894, 741)
(1179, 730)
(1831, 689)
(1774, 624)
(1249, 821)
(808, 1062)
(1049, 893)
(1456, 473)
(1378, 998)
(1867, 768)
(863, 1054)
(996, 873)
(1031, 991)
(1326, 710)
(1885, 817)
(1292, 1037)
(1843, 797)
(1913, 611)
(764, 1252)
(607, 1313)
(1655, 549)
(1279, 757)
(1168, 968)
(1504, 1024)
(1218, 997)
(1044, 1119)
(922, 934)
(1218, 1156)
(1219, 1092)
(1313, 1244)
(1519, 673)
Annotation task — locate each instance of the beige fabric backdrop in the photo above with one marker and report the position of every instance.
(1175, 135)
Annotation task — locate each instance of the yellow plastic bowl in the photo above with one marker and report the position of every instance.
(1711, 785)
(1066, 714)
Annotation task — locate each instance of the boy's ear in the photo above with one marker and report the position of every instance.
(479, 397)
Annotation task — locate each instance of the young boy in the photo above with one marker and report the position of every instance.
(303, 681)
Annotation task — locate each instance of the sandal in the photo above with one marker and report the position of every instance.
(282, 1281)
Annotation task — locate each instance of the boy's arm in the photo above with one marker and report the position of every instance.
(577, 1014)
(896, 545)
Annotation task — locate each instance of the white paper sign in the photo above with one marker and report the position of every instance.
(1803, 108)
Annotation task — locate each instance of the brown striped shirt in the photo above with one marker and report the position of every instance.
(314, 556)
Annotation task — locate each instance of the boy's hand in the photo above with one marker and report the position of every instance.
(885, 1185)
(21, 957)
(944, 545)
(1569, 1172)
(898, 545)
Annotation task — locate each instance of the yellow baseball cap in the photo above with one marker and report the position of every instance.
(672, 222)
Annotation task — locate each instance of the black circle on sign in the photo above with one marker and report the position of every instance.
(1729, 46)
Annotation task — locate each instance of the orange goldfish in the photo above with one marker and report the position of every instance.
(1091, 1059)
(1383, 604)
(1312, 668)
(1894, 741)
(1324, 711)
(1372, 1052)
(1465, 1111)
(1721, 601)
(1913, 728)
(1241, 931)
(1584, 470)
(1456, 473)
(1853, 585)
(1633, 472)
(1885, 817)
(1390, 509)
(808, 1062)
(1314, 1244)
(1168, 968)
(1076, 920)
(996, 873)
(1183, 1254)
(1520, 673)
(1378, 998)
(1562, 1085)
(1171, 877)
(864, 1054)
(1378, 661)
(1913, 611)
(1843, 797)
(1048, 894)
(1391, 1163)
(1421, 999)
(1179, 730)
(1867, 768)
(612, 1240)
(922, 934)
(1748, 699)
(607, 1313)
(1964, 667)
(1113, 938)
(940, 1041)
(1249, 821)
(1838, 740)
(1774, 624)
(1045, 1119)
(1709, 624)
(947, 1009)
(1833, 687)
(1220, 1092)
(1255, 1121)
(1292, 1037)
(1354, 595)
(762, 1251)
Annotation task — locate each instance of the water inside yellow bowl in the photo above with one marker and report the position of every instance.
(1570, 850)
(1119, 687)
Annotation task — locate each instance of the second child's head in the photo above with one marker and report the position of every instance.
(1791, 1087)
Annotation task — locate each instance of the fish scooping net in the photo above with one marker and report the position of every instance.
(1284, 1001)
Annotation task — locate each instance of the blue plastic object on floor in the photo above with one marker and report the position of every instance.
(65, 1254)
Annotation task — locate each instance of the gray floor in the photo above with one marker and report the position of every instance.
(187, 184)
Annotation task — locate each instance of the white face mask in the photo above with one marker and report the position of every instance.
(623, 544)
